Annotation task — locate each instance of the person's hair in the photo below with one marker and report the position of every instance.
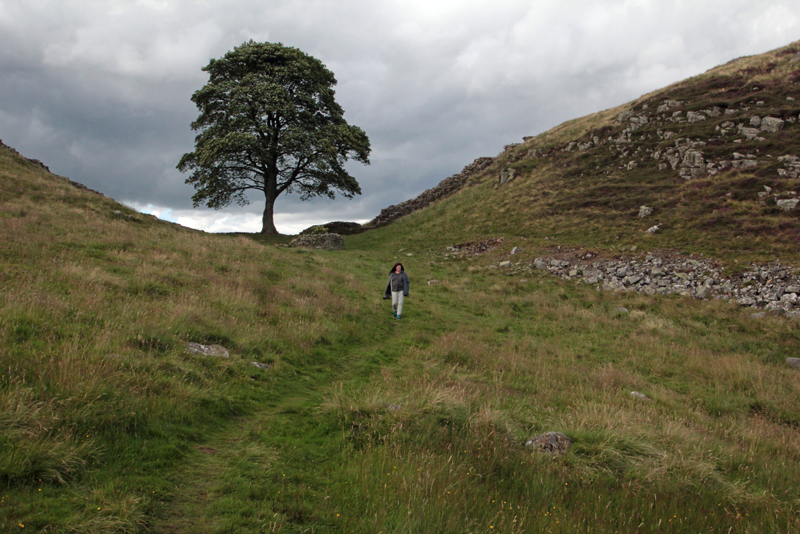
(395, 267)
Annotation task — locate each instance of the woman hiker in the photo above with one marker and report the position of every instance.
(398, 286)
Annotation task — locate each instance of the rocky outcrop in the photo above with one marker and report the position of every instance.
(336, 227)
(445, 188)
(321, 241)
(475, 248)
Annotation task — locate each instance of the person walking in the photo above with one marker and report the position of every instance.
(398, 286)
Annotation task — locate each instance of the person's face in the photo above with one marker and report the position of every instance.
(397, 269)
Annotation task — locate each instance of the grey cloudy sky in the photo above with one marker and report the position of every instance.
(99, 90)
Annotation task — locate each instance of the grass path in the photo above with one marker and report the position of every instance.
(269, 471)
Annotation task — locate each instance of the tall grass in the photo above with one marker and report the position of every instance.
(363, 423)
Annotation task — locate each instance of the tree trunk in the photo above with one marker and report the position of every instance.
(267, 224)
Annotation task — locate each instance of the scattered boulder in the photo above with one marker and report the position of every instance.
(771, 124)
(653, 229)
(787, 204)
(262, 365)
(321, 241)
(506, 176)
(207, 350)
(431, 282)
(695, 116)
(750, 133)
(693, 165)
(645, 211)
(552, 442)
(640, 396)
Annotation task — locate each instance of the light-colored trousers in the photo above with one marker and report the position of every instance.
(397, 302)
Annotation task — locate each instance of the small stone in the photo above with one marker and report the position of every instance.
(702, 292)
(393, 407)
(794, 362)
(620, 309)
(504, 264)
(758, 315)
(514, 250)
(262, 365)
(431, 282)
(552, 442)
(207, 350)
(640, 396)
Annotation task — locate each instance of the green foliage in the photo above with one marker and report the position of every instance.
(269, 122)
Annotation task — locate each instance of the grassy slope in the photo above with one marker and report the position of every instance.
(108, 425)
(587, 197)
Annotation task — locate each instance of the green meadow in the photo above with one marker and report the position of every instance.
(363, 423)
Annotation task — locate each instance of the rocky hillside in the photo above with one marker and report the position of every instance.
(443, 189)
(710, 164)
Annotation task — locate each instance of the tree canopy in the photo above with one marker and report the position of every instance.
(269, 122)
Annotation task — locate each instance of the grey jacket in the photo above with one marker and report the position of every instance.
(399, 282)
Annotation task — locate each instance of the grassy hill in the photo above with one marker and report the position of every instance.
(363, 423)
(584, 181)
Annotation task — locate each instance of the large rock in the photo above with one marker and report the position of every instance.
(322, 241)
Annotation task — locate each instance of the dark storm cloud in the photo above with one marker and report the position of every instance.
(100, 91)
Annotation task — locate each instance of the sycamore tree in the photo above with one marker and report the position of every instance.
(269, 122)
